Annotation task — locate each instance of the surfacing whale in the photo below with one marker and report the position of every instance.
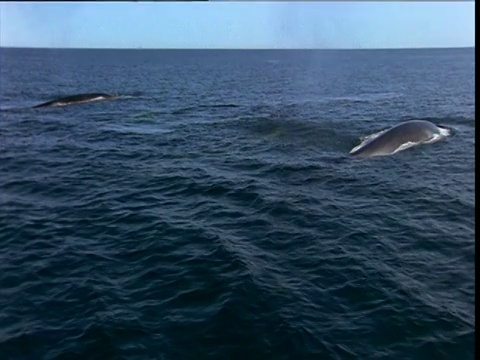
(76, 99)
(400, 137)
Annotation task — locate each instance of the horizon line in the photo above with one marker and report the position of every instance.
(224, 48)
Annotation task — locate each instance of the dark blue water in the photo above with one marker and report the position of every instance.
(213, 212)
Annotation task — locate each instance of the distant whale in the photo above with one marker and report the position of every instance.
(76, 99)
(400, 137)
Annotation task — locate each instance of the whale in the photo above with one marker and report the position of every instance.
(75, 99)
(400, 137)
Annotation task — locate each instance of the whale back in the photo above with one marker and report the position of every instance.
(398, 137)
(75, 99)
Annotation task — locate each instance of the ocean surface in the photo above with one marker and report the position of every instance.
(212, 211)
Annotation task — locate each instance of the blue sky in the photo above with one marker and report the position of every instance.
(238, 24)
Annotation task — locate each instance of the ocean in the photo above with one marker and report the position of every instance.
(212, 211)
